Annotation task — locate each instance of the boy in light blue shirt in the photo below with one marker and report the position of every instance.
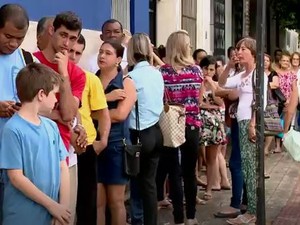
(33, 155)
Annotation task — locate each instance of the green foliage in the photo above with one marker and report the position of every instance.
(287, 12)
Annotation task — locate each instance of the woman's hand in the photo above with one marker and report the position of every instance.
(117, 94)
(252, 133)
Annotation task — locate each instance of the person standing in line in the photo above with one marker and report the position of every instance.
(246, 52)
(14, 23)
(111, 30)
(287, 85)
(42, 32)
(238, 201)
(112, 179)
(198, 55)
(63, 35)
(150, 90)
(183, 80)
(33, 155)
(93, 102)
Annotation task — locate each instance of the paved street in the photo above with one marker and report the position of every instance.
(282, 196)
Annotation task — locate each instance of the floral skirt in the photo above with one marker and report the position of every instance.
(212, 131)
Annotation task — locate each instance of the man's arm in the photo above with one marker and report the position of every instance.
(64, 191)
(68, 104)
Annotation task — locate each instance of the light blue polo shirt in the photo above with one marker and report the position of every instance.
(10, 65)
(150, 91)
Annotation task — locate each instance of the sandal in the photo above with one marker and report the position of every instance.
(164, 204)
(201, 183)
(242, 219)
(199, 201)
(207, 196)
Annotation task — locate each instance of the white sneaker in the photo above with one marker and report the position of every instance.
(192, 222)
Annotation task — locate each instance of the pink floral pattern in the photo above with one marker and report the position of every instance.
(286, 83)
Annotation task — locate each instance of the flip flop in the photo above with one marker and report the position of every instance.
(226, 188)
(227, 215)
(207, 197)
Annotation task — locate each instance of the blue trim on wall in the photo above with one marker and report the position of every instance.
(139, 16)
(93, 12)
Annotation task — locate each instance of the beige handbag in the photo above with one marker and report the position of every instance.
(172, 123)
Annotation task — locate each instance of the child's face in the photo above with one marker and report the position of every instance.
(48, 101)
(210, 70)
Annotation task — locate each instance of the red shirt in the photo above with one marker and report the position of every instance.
(77, 79)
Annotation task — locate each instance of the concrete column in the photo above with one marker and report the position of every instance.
(168, 19)
(228, 25)
(204, 23)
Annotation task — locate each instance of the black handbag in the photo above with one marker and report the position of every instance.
(132, 152)
(279, 95)
(272, 123)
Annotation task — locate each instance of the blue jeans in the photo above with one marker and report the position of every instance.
(136, 203)
(235, 166)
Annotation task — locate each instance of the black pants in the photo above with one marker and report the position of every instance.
(169, 164)
(152, 142)
(86, 208)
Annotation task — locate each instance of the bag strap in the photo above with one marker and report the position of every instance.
(253, 88)
(27, 57)
(137, 117)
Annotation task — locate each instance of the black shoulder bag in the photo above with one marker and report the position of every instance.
(132, 152)
(27, 57)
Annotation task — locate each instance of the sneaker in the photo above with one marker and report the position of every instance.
(192, 222)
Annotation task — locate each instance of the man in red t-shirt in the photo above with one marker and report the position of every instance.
(63, 35)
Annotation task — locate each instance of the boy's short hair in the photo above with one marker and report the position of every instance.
(35, 77)
(68, 19)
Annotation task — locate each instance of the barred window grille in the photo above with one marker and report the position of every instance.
(121, 11)
(189, 20)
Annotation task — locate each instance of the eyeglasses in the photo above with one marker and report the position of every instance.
(295, 58)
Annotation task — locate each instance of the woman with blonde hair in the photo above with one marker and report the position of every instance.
(150, 90)
(183, 81)
(246, 51)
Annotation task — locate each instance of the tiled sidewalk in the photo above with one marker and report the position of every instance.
(282, 196)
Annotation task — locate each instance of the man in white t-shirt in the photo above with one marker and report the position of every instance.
(111, 30)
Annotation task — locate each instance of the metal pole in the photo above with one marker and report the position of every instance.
(259, 92)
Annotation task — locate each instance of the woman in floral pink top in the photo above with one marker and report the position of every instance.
(287, 84)
(182, 81)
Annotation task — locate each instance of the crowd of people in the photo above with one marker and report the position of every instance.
(64, 129)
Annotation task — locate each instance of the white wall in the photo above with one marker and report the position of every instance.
(92, 42)
(168, 19)
(228, 25)
(204, 23)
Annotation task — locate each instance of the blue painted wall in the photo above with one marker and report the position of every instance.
(139, 15)
(92, 12)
